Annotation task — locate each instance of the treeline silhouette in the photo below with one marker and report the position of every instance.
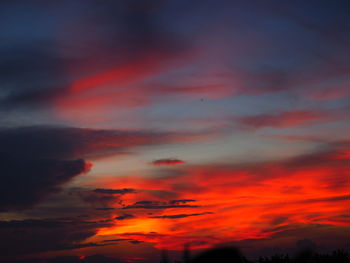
(216, 255)
(307, 256)
(233, 255)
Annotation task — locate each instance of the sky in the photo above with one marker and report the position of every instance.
(130, 127)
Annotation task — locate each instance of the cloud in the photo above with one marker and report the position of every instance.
(104, 199)
(73, 72)
(122, 55)
(115, 191)
(73, 259)
(115, 240)
(105, 208)
(285, 119)
(181, 215)
(35, 69)
(327, 199)
(30, 76)
(169, 161)
(125, 216)
(36, 161)
(100, 201)
(28, 181)
(162, 194)
(135, 242)
(30, 236)
(70, 142)
(181, 201)
(255, 200)
(160, 204)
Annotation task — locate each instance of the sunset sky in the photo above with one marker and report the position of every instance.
(132, 126)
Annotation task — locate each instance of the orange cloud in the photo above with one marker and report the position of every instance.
(239, 201)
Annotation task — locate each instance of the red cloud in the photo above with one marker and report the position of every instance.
(247, 201)
(120, 86)
(169, 161)
(134, 84)
(285, 119)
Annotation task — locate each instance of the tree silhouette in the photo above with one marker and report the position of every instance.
(220, 255)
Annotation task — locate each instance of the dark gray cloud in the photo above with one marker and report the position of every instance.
(24, 182)
(115, 191)
(116, 240)
(70, 259)
(105, 208)
(181, 201)
(36, 161)
(326, 199)
(103, 199)
(35, 65)
(33, 236)
(99, 201)
(70, 142)
(135, 27)
(181, 215)
(135, 242)
(30, 76)
(125, 216)
(161, 205)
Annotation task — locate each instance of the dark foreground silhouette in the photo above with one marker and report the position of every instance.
(217, 255)
(307, 256)
(233, 255)
(222, 255)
